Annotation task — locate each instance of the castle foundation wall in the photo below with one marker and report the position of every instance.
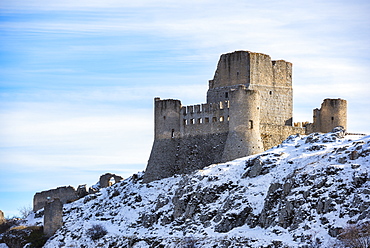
(184, 155)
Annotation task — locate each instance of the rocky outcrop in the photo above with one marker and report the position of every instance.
(2, 218)
(303, 192)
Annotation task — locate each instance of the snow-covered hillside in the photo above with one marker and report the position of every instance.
(301, 192)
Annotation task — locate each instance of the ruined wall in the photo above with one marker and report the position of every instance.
(106, 180)
(65, 194)
(232, 69)
(333, 113)
(53, 217)
(272, 135)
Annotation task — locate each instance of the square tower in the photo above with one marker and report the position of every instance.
(272, 79)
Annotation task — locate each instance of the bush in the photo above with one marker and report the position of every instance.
(356, 236)
(21, 235)
(9, 224)
(25, 211)
(96, 232)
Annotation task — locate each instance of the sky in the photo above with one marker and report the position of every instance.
(78, 77)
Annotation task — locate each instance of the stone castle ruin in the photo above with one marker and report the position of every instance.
(249, 109)
(66, 194)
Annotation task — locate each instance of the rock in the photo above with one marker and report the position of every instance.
(2, 218)
(256, 168)
(82, 191)
(339, 131)
(354, 155)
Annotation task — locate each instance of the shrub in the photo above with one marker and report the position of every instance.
(356, 236)
(25, 211)
(188, 242)
(9, 224)
(22, 235)
(96, 232)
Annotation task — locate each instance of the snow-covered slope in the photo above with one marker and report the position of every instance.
(305, 190)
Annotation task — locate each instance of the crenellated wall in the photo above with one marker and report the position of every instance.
(206, 118)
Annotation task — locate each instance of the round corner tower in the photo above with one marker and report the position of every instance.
(166, 118)
(333, 113)
(244, 134)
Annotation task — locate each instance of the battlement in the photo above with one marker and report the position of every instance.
(205, 113)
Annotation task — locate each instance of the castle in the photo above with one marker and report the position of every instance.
(249, 109)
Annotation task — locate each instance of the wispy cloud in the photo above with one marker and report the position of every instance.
(79, 77)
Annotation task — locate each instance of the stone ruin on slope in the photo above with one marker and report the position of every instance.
(249, 109)
(69, 194)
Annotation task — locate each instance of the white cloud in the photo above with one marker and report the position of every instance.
(70, 133)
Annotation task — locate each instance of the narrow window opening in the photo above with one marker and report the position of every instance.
(270, 92)
(164, 117)
(250, 124)
(173, 133)
(221, 118)
(226, 94)
(228, 118)
(206, 120)
(221, 105)
(185, 122)
(214, 119)
(191, 121)
(199, 121)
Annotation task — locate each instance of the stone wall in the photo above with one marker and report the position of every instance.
(53, 216)
(333, 113)
(106, 180)
(272, 135)
(184, 155)
(65, 194)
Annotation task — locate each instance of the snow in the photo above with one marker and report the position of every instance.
(127, 214)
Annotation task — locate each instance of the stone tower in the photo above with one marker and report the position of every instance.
(333, 113)
(249, 109)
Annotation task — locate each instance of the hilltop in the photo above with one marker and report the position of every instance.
(305, 191)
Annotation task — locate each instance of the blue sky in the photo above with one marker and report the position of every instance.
(78, 78)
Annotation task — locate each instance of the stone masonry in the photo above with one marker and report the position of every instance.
(249, 109)
(64, 194)
(53, 216)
